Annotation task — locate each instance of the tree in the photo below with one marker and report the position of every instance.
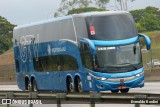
(148, 18)
(123, 4)
(67, 5)
(85, 9)
(150, 22)
(6, 29)
(102, 3)
(140, 27)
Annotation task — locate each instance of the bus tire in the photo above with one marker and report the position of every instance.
(26, 84)
(124, 90)
(79, 85)
(29, 86)
(70, 86)
(34, 85)
(115, 91)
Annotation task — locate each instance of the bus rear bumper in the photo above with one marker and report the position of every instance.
(105, 85)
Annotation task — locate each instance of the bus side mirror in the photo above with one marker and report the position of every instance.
(91, 45)
(147, 40)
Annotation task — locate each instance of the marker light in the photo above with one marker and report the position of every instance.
(140, 74)
(96, 77)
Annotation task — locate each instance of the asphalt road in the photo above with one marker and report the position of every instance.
(150, 87)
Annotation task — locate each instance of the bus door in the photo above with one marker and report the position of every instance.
(87, 62)
(87, 52)
(86, 55)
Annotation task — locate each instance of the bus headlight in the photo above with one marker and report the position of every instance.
(140, 74)
(96, 77)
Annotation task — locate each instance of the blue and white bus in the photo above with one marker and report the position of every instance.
(93, 51)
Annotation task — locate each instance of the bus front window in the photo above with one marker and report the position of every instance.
(119, 58)
(111, 27)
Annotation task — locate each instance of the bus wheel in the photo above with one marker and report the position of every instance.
(34, 85)
(29, 86)
(79, 85)
(70, 86)
(124, 90)
(115, 91)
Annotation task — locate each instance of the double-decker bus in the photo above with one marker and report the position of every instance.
(94, 51)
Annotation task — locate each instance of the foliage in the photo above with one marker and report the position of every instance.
(6, 29)
(102, 3)
(147, 19)
(140, 27)
(122, 4)
(85, 9)
(68, 5)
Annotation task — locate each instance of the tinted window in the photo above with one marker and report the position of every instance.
(17, 66)
(86, 56)
(55, 63)
(111, 27)
(119, 58)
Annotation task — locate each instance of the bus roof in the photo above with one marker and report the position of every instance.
(97, 13)
(85, 14)
(68, 27)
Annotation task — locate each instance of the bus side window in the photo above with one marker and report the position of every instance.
(59, 62)
(69, 63)
(17, 66)
(86, 56)
(52, 66)
(38, 66)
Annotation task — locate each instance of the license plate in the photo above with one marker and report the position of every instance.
(121, 87)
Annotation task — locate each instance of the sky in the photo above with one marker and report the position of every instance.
(21, 12)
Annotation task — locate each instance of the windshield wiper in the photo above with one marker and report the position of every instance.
(107, 67)
(129, 64)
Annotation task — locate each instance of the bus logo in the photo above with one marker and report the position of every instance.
(49, 49)
(25, 47)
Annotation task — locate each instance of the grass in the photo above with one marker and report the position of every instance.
(155, 38)
(155, 47)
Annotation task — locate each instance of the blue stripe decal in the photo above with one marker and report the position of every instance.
(115, 42)
(119, 75)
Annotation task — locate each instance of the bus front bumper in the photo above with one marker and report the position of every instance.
(105, 85)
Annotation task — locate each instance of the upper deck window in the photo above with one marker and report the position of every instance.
(111, 27)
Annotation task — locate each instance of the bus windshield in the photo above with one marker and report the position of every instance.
(111, 27)
(119, 58)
